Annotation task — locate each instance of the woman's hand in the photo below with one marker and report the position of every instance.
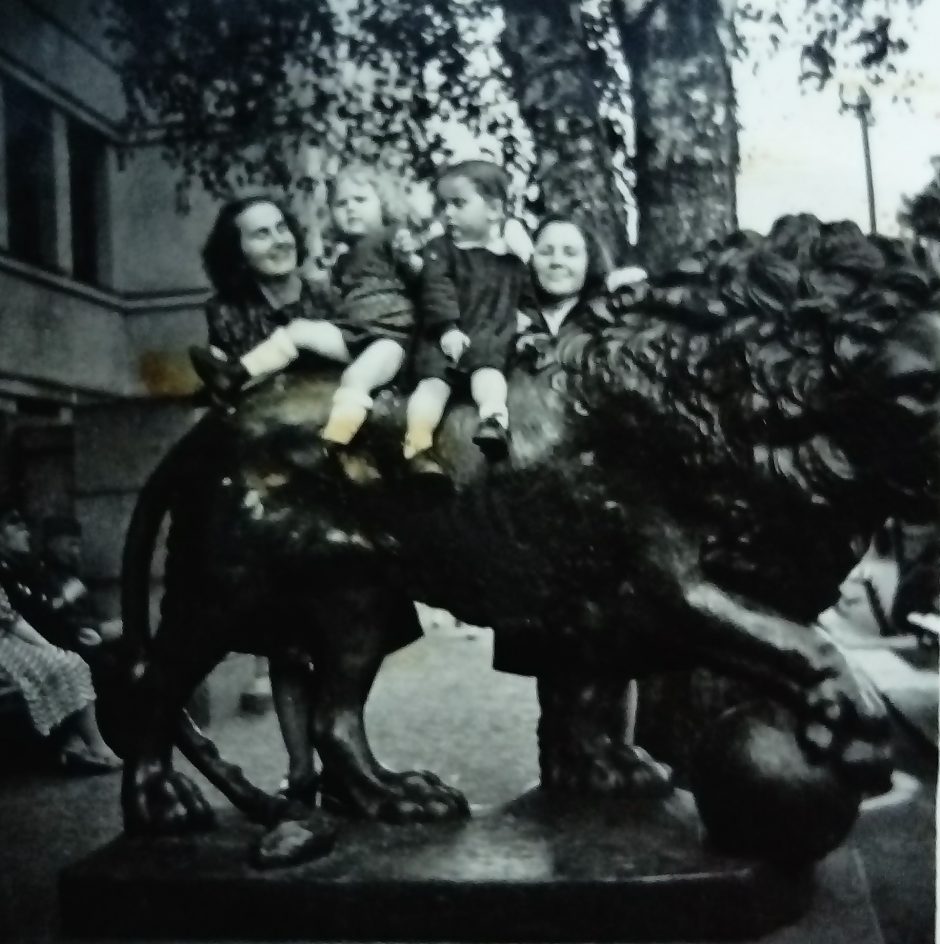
(628, 275)
(406, 251)
(89, 637)
(518, 241)
(453, 343)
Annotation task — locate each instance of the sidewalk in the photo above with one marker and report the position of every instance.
(437, 704)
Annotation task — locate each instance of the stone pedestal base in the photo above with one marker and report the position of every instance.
(530, 871)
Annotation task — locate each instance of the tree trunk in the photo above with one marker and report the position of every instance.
(551, 76)
(686, 130)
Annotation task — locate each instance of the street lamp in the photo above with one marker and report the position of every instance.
(857, 99)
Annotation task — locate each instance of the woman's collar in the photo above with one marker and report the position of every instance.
(555, 314)
(293, 290)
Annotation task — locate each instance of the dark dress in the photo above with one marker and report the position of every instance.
(526, 647)
(54, 683)
(477, 291)
(536, 346)
(58, 605)
(235, 327)
(373, 294)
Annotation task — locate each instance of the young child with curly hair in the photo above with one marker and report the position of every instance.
(371, 317)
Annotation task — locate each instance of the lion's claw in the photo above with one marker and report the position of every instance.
(164, 801)
(847, 723)
(412, 796)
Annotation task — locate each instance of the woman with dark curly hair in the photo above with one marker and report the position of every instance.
(571, 274)
(253, 257)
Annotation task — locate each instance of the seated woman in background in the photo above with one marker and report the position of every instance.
(56, 685)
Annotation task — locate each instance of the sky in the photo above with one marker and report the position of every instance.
(798, 153)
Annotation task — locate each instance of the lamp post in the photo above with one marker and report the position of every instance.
(860, 103)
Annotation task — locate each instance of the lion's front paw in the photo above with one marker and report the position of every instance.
(158, 800)
(620, 769)
(408, 797)
(426, 788)
(846, 722)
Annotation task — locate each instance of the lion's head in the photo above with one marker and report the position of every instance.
(783, 386)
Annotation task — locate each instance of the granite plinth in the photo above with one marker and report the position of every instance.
(530, 871)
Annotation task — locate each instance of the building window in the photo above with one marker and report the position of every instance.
(30, 183)
(87, 162)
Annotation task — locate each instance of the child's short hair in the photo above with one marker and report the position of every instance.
(389, 191)
(488, 179)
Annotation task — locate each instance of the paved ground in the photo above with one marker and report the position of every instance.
(436, 705)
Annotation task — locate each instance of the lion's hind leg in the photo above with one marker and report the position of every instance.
(155, 797)
(358, 628)
(583, 744)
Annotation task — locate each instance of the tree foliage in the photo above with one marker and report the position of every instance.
(833, 40)
(237, 90)
(921, 213)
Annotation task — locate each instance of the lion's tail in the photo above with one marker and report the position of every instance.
(153, 505)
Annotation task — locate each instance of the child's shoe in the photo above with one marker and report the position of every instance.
(425, 465)
(492, 438)
(358, 468)
(219, 375)
(347, 414)
(355, 465)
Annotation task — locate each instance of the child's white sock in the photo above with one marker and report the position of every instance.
(425, 409)
(349, 412)
(490, 392)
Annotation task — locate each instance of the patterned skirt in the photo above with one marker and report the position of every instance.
(54, 683)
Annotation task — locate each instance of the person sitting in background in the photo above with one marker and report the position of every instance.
(55, 684)
(892, 593)
(79, 625)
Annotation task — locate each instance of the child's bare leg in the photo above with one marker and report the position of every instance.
(424, 412)
(374, 367)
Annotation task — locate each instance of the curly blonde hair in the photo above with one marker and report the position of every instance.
(389, 190)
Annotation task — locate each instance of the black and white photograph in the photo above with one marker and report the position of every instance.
(469, 471)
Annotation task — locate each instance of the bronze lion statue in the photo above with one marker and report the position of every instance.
(684, 487)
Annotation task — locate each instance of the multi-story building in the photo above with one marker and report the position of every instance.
(100, 282)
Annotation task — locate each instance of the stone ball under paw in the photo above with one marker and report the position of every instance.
(760, 796)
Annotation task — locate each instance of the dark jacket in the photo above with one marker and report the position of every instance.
(536, 346)
(477, 291)
(372, 293)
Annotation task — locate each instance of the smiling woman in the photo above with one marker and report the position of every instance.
(267, 242)
(570, 268)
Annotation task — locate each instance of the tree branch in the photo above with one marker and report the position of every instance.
(630, 12)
